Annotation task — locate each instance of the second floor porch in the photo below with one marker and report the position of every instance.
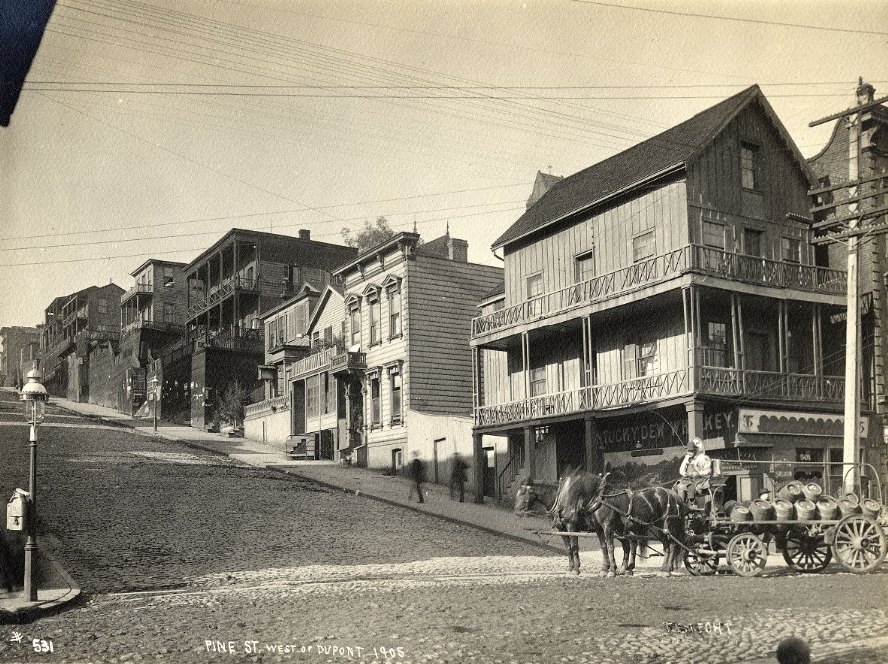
(678, 345)
(762, 274)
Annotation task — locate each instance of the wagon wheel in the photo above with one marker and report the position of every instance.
(805, 552)
(747, 554)
(704, 564)
(859, 544)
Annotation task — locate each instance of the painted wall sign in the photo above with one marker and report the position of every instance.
(792, 422)
(665, 429)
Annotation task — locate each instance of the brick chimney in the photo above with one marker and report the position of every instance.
(457, 250)
(304, 234)
(866, 93)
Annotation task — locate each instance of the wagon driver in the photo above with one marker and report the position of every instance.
(695, 471)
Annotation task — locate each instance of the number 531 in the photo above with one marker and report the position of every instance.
(40, 645)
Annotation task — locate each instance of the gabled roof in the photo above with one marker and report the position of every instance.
(322, 304)
(669, 151)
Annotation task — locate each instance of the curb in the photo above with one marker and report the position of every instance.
(290, 471)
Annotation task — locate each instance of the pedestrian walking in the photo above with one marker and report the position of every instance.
(458, 477)
(417, 474)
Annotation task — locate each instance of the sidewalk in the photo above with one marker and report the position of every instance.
(489, 517)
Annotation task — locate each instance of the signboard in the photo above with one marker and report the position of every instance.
(656, 430)
(793, 422)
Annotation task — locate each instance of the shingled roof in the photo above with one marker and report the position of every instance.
(671, 149)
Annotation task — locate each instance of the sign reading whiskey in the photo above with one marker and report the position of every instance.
(667, 427)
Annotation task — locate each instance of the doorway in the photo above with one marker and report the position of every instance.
(490, 471)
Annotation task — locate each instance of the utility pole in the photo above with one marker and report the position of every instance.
(850, 228)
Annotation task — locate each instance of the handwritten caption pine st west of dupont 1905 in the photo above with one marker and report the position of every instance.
(254, 647)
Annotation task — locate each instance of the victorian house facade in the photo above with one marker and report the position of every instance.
(667, 292)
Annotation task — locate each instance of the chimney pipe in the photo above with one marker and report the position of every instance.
(304, 234)
(866, 93)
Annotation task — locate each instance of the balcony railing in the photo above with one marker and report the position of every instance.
(249, 341)
(267, 407)
(348, 361)
(217, 293)
(691, 258)
(765, 385)
(160, 326)
(313, 363)
(138, 289)
(771, 385)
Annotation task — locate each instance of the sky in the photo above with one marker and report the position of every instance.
(149, 128)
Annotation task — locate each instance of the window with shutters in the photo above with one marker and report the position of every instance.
(328, 335)
(713, 235)
(584, 267)
(312, 396)
(791, 250)
(643, 246)
(329, 393)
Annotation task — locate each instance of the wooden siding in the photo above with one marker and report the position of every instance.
(667, 331)
(442, 300)
(332, 315)
(714, 184)
(608, 234)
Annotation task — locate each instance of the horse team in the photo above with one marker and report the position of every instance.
(582, 502)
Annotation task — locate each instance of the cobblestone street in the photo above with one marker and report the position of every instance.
(187, 556)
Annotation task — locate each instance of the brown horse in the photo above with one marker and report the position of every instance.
(581, 504)
(530, 495)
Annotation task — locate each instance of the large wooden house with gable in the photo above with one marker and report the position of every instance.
(669, 291)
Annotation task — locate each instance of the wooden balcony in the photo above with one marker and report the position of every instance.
(247, 341)
(267, 407)
(139, 290)
(219, 292)
(348, 362)
(313, 363)
(753, 385)
(694, 259)
(159, 326)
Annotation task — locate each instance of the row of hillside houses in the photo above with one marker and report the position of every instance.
(670, 291)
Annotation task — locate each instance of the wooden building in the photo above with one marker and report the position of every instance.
(19, 347)
(152, 314)
(229, 286)
(667, 292)
(74, 325)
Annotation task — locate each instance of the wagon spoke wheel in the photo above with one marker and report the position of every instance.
(805, 552)
(860, 544)
(747, 554)
(704, 564)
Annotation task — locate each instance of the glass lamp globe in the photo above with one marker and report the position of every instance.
(34, 398)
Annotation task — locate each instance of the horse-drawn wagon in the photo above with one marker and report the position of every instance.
(808, 525)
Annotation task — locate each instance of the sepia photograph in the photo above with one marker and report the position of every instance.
(492, 331)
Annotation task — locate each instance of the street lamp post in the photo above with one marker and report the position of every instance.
(34, 402)
(154, 383)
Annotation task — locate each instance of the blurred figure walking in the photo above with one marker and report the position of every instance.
(458, 477)
(417, 474)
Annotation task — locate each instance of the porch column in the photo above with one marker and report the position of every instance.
(594, 453)
(687, 299)
(530, 451)
(781, 337)
(817, 331)
(525, 359)
(477, 383)
(478, 453)
(735, 331)
(695, 419)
